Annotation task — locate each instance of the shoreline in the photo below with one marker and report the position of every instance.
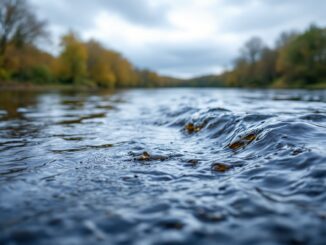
(14, 86)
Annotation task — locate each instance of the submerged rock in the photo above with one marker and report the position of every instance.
(171, 225)
(207, 216)
(192, 162)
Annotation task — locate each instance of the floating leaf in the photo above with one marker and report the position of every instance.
(245, 140)
(236, 145)
(144, 157)
(220, 167)
(192, 128)
(250, 137)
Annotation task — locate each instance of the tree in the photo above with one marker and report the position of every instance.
(246, 72)
(18, 24)
(72, 60)
(266, 67)
(148, 78)
(126, 75)
(285, 38)
(252, 50)
(303, 59)
(99, 65)
(28, 64)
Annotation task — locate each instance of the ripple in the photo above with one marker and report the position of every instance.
(166, 166)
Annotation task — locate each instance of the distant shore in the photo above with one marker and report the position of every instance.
(43, 87)
(28, 86)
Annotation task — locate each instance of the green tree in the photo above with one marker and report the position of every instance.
(246, 70)
(266, 67)
(302, 61)
(72, 61)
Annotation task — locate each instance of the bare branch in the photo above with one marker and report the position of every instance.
(18, 24)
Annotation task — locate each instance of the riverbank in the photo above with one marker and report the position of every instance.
(21, 86)
(43, 87)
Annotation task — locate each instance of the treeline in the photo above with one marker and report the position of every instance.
(296, 60)
(79, 63)
(89, 63)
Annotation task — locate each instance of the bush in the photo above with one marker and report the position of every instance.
(4, 75)
(38, 74)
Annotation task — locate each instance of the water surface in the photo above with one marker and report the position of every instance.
(163, 166)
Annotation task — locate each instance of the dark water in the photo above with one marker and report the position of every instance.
(173, 166)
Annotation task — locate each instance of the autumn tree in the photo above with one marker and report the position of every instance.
(148, 78)
(99, 65)
(29, 64)
(126, 75)
(72, 62)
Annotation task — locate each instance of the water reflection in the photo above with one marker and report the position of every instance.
(14, 103)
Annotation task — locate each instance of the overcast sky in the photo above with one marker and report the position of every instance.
(179, 37)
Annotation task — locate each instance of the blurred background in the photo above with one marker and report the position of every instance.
(127, 43)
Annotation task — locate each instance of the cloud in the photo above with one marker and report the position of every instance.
(82, 13)
(184, 37)
(140, 12)
(251, 16)
(67, 14)
(189, 58)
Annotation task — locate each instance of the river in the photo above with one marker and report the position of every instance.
(163, 166)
